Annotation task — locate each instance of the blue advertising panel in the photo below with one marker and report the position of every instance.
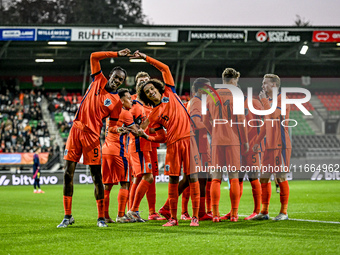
(10, 158)
(17, 34)
(53, 34)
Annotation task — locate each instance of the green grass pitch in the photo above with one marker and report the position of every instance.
(28, 225)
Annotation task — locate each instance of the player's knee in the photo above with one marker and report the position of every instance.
(281, 179)
(264, 180)
(68, 176)
(148, 178)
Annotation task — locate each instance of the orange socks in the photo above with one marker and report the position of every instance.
(234, 195)
(284, 195)
(67, 204)
(201, 211)
(106, 203)
(266, 194)
(215, 196)
(241, 189)
(185, 200)
(256, 190)
(123, 195)
(132, 194)
(100, 208)
(208, 196)
(173, 199)
(195, 198)
(142, 188)
(151, 197)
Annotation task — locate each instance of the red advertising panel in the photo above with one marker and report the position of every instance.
(326, 36)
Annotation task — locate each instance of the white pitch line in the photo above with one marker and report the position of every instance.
(316, 221)
(315, 212)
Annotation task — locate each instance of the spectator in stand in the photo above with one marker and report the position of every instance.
(63, 92)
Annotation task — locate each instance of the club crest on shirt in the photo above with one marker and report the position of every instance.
(165, 100)
(167, 168)
(107, 102)
(66, 151)
(149, 166)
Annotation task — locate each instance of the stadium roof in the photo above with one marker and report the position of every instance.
(196, 50)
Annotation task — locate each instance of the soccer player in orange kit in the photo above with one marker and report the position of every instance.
(251, 160)
(140, 159)
(278, 149)
(115, 158)
(201, 86)
(227, 142)
(169, 113)
(151, 192)
(84, 138)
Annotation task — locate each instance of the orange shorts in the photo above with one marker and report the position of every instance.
(83, 142)
(115, 169)
(140, 163)
(251, 159)
(276, 160)
(184, 153)
(205, 159)
(154, 161)
(226, 157)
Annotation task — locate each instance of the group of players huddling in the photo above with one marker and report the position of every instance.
(136, 125)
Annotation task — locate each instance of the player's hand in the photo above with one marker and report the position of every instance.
(262, 94)
(124, 53)
(122, 130)
(246, 147)
(138, 54)
(256, 147)
(141, 133)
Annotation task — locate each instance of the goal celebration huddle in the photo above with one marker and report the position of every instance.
(136, 124)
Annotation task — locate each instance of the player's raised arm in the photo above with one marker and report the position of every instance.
(97, 56)
(165, 70)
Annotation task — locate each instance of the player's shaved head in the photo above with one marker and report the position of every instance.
(118, 68)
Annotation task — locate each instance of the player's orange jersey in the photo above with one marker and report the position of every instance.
(97, 103)
(254, 126)
(170, 113)
(134, 97)
(138, 143)
(201, 133)
(115, 144)
(223, 133)
(277, 136)
(148, 110)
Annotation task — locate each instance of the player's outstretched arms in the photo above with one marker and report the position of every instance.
(97, 56)
(165, 70)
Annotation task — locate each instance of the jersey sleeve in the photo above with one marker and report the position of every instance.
(160, 136)
(167, 76)
(128, 119)
(94, 60)
(137, 114)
